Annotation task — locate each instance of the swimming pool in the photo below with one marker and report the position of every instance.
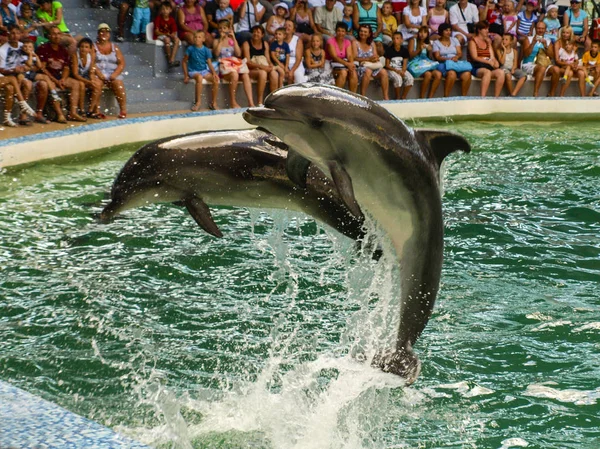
(154, 328)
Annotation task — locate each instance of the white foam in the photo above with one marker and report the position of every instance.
(588, 327)
(513, 442)
(577, 397)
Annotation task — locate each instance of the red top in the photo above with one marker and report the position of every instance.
(55, 60)
(164, 27)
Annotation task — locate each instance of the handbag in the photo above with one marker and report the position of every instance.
(259, 60)
(542, 58)
(418, 66)
(458, 66)
(470, 26)
(372, 65)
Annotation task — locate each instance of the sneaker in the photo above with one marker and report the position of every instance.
(174, 64)
(119, 38)
(563, 80)
(142, 38)
(589, 82)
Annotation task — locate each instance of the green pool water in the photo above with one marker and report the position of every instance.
(154, 328)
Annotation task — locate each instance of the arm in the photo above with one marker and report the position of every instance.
(120, 64)
(309, 61)
(355, 17)
(184, 66)
(299, 53)
(413, 47)
(259, 14)
(311, 21)
(181, 22)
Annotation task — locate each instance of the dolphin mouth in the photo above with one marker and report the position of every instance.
(255, 115)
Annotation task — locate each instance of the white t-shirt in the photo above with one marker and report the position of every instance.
(10, 57)
(244, 24)
(471, 14)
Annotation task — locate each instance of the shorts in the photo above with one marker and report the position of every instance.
(529, 67)
(518, 73)
(30, 75)
(202, 73)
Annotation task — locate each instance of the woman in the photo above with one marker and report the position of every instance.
(367, 13)
(305, 24)
(8, 16)
(565, 35)
(369, 66)
(421, 64)
(191, 17)
(50, 13)
(414, 16)
(258, 59)
(110, 64)
(340, 51)
(296, 68)
(435, 17)
(483, 59)
(448, 52)
(250, 13)
(577, 19)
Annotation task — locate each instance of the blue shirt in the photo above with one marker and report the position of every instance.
(198, 58)
(282, 50)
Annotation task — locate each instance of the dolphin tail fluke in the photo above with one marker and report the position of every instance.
(442, 143)
(109, 212)
(296, 167)
(201, 214)
(402, 362)
(342, 181)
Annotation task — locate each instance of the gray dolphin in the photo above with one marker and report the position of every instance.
(381, 166)
(225, 168)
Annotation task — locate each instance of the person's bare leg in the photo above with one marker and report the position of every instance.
(248, 89)
(197, 92)
(449, 84)
(119, 90)
(261, 84)
(465, 83)
(486, 78)
(385, 84)
(500, 76)
(538, 77)
(233, 79)
(425, 84)
(435, 82)
(364, 83)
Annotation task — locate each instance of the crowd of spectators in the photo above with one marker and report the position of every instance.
(502, 42)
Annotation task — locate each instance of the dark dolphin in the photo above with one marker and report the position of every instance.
(225, 168)
(380, 166)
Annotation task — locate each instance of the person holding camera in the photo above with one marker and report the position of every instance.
(538, 53)
(463, 17)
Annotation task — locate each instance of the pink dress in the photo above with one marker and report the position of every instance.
(192, 20)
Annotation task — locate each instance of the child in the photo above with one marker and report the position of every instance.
(347, 19)
(277, 20)
(568, 61)
(232, 68)
(83, 68)
(526, 20)
(510, 19)
(197, 64)
(165, 29)
(552, 23)
(508, 58)
(34, 69)
(28, 25)
(396, 59)
(280, 55)
(224, 12)
(141, 18)
(317, 68)
(591, 64)
(390, 24)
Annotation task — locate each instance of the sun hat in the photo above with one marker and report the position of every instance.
(551, 7)
(282, 5)
(104, 26)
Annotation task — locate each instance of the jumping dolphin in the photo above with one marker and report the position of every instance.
(380, 166)
(225, 168)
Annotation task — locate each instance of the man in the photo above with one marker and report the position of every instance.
(10, 66)
(326, 17)
(462, 15)
(56, 65)
(537, 66)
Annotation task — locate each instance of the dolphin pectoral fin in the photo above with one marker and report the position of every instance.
(201, 214)
(442, 143)
(402, 362)
(296, 167)
(343, 182)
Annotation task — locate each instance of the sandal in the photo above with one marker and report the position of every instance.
(61, 119)
(41, 119)
(212, 107)
(76, 118)
(96, 115)
(24, 122)
(122, 115)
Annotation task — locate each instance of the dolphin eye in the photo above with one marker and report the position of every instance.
(316, 123)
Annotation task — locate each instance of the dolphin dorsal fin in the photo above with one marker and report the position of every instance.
(296, 167)
(442, 143)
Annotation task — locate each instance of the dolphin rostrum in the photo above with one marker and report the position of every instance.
(225, 168)
(379, 166)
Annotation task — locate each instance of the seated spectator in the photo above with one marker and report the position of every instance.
(56, 65)
(552, 23)
(280, 55)
(191, 17)
(34, 70)
(448, 52)
(29, 26)
(110, 64)
(342, 58)
(421, 64)
(367, 13)
(277, 20)
(251, 13)
(318, 69)
(197, 65)
(567, 61)
(8, 15)
(463, 17)
(8, 86)
(369, 65)
(349, 21)
(83, 69)
(565, 35)
(510, 19)
(577, 19)
(302, 16)
(591, 64)
(526, 20)
(491, 12)
(12, 68)
(227, 50)
(50, 13)
(414, 17)
(396, 61)
(123, 6)
(141, 19)
(296, 72)
(165, 30)
(508, 58)
(483, 59)
(224, 12)
(327, 16)
(258, 58)
(390, 25)
(537, 54)
(435, 17)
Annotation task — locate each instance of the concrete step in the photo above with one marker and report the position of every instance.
(157, 106)
(140, 95)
